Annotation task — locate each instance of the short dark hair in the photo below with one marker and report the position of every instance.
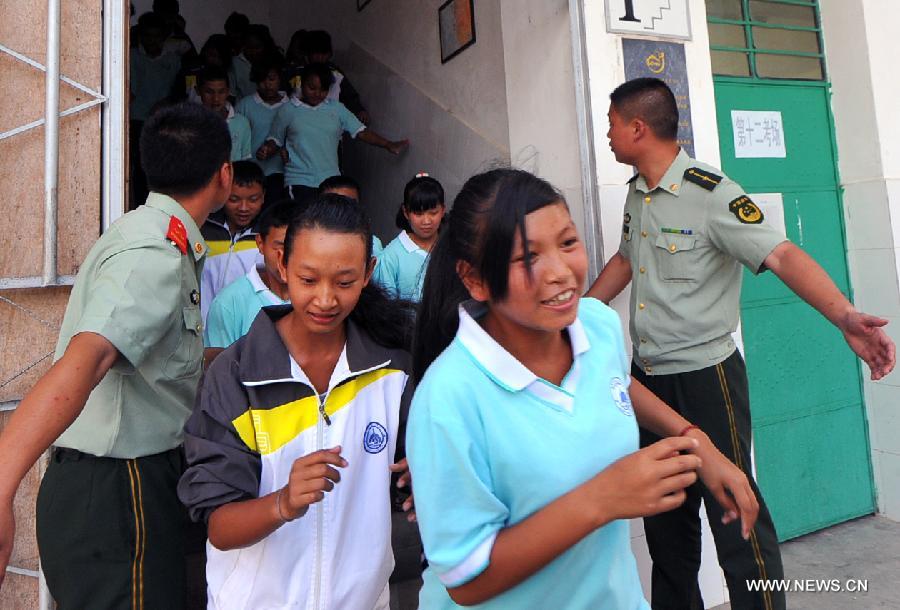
(271, 62)
(220, 43)
(279, 214)
(338, 182)
(321, 71)
(237, 21)
(211, 73)
(248, 172)
(422, 193)
(318, 41)
(166, 6)
(149, 21)
(182, 148)
(650, 100)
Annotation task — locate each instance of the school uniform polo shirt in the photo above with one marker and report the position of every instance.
(151, 80)
(140, 291)
(490, 443)
(239, 77)
(686, 240)
(311, 135)
(239, 128)
(401, 268)
(260, 114)
(234, 309)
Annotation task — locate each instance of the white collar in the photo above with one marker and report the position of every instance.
(259, 286)
(230, 109)
(259, 100)
(296, 101)
(506, 370)
(410, 246)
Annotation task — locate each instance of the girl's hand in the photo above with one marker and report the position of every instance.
(284, 155)
(405, 480)
(265, 151)
(727, 483)
(649, 481)
(311, 476)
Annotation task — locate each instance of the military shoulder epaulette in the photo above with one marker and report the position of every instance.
(702, 178)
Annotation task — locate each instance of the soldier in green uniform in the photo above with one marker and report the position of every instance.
(110, 526)
(686, 232)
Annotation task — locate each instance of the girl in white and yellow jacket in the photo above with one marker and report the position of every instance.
(295, 434)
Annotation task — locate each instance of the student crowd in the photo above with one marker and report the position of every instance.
(460, 361)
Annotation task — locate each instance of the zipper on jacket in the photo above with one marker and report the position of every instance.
(323, 412)
(320, 508)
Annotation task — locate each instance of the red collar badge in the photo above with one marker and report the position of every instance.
(177, 234)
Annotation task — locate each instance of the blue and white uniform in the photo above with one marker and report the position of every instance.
(311, 135)
(239, 128)
(261, 114)
(401, 268)
(235, 307)
(490, 443)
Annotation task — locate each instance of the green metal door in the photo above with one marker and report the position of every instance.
(810, 432)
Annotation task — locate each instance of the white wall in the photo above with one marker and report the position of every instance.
(454, 114)
(607, 71)
(860, 49)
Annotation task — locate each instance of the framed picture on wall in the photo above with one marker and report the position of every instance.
(456, 23)
(361, 4)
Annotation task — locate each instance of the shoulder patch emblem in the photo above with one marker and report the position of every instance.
(702, 178)
(746, 211)
(177, 234)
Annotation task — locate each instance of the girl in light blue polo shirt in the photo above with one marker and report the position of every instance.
(401, 266)
(522, 438)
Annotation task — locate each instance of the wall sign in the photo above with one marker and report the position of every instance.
(663, 18)
(772, 207)
(758, 134)
(665, 61)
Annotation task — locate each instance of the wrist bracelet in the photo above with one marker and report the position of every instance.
(278, 504)
(688, 429)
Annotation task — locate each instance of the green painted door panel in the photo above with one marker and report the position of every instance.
(810, 434)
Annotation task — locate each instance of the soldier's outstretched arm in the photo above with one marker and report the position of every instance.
(612, 280)
(863, 332)
(46, 411)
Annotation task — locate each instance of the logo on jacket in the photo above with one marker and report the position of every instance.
(620, 395)
(375, 438)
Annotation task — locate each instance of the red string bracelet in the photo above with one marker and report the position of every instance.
(688, 429)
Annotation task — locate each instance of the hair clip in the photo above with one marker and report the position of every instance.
(423, 175)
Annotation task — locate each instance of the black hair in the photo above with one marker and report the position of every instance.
(420, 194)
(270, 62)
(338, 182)
(387, 320)
(262, 33)
(210, 74)
(481, 228)
(318, 41)
(322, 71)
(237, 22)
(151, 20)
(247, 172)
(279, 214)
(220, 43)
(166, 6)
(297, 45)
(650, 100)
(182, 147)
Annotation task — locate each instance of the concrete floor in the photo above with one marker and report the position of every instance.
(866, 549)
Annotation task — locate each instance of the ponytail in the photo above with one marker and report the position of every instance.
(389, 321)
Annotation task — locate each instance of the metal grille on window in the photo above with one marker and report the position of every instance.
(771, 39)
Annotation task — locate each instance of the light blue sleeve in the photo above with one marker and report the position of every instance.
(349, 122)
(459, 516)
(219, 331)
(387, 272)
(377, 247)
(278, 131)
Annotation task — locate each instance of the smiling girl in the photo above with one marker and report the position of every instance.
(523, 434)
(293, 440)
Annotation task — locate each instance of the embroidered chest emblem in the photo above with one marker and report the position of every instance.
(620, 396)
(375, 438)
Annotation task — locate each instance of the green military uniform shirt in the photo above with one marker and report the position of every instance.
(139, 290)
(685, 240)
